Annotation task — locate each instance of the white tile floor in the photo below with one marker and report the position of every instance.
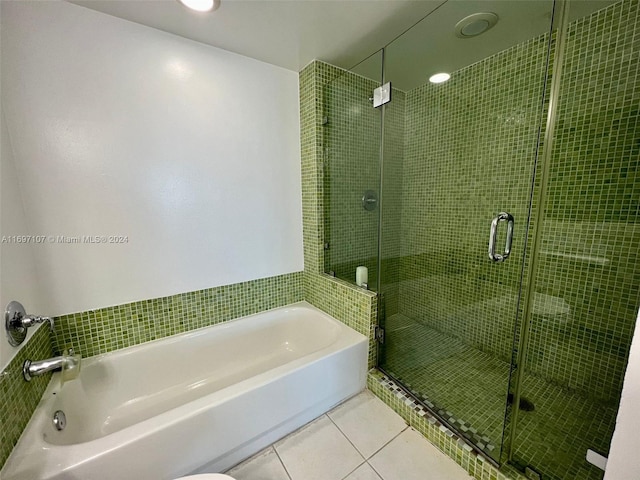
(362, 439)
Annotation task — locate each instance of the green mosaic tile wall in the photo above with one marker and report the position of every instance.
(470, 150)
(351, 160)
(351, 150)
(354, 306)
(393, 174)
(357, 309)
(19, 398)
(590, 252)
(107, 329)
(312, 80)
(463, 138)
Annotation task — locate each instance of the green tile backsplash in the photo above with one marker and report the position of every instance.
(19, 398)
(357, 309)
(107, 329)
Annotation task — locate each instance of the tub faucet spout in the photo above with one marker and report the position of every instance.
(63, 362)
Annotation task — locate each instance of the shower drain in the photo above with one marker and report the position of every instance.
(59, 420)
(525, 404)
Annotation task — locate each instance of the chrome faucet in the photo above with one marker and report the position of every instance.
(16, 322)
(66, 361)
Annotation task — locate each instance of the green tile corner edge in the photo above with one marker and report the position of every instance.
(20, 398)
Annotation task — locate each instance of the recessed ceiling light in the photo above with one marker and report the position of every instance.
(475, 24)
(201, 5)
(439, 77)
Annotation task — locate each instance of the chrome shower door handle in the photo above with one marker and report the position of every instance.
(493, 235)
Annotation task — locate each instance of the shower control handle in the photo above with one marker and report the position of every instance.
(493, 235)
(369, 200)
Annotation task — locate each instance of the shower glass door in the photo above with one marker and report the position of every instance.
(586, 269)
(458, 166)
(351, 130)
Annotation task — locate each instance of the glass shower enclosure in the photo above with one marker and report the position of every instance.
(497, 215)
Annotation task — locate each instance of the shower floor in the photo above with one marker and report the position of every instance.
(553, 438)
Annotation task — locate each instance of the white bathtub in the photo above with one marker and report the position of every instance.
(192, 403)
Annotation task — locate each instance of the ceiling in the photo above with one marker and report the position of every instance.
(432, 46)
(291, 33)
(287, 33)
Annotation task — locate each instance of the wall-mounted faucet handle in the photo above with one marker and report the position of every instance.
(16, 322)
(31, 320)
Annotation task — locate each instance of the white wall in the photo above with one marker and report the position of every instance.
(189, 151)
(18, 277)
(624, 461)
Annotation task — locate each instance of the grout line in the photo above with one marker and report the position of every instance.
(378, 474)
(359, 465)
(281, 462)
(396, 436)
(272, 447)
(376, 451)
(347, 437)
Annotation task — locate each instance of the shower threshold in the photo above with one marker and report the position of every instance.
(456, 425)
(459, 426)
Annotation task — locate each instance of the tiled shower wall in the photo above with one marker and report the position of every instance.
(351, 159)
(589, 255)
(351, 149)
(469, 147)
(393, 177)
